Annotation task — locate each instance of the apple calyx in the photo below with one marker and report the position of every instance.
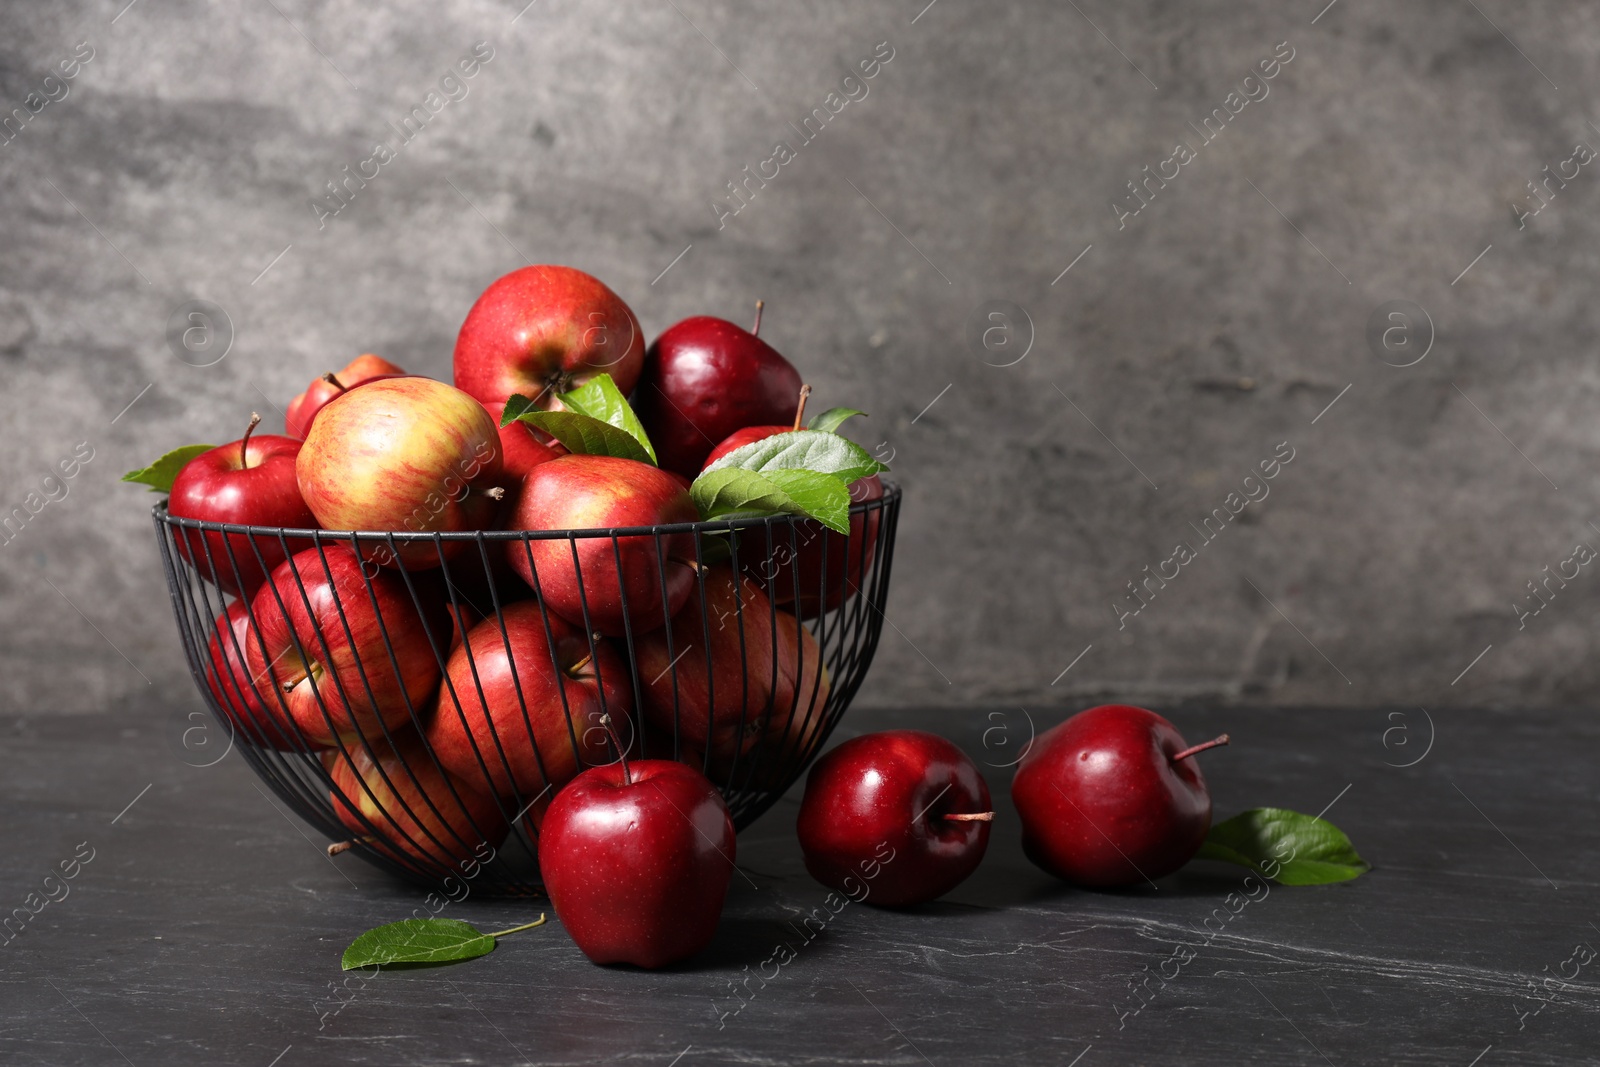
(755, 331)
(975, 816)
(800, 411)
(1197, 749)
(244, 442)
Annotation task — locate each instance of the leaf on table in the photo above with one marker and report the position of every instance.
(160, 474)
(808, 450)
(829, 421)
(1285, 846)
(734, 492)
(417, 941)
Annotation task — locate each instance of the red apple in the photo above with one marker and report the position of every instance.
(545, 330)
(522, 448)
(721, 666)
(636, 857)
(902, 815)
(609, 584)
(396, 799)
(521, 707)
(404, 455)
(1112, 797)
(250, 482)
(705, 378)
(322, 624)
(801, 560)
(235, 691)
(769, 752)
(303, 408)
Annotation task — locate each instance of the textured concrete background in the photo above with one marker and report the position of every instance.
(1182, 347)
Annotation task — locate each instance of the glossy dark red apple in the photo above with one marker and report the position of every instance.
(608, 584)
(522, 706)
(808, 566)
(250, 482)
(894, 818)
(1112, 797)
(703, 379)
(228, 678)
(396, 799)
(521, 446)
(636, 857)
(322, 623)
(407, 455)
(303, 408)
(727, 667)
(542, 331)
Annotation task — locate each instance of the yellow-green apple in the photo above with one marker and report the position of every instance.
(521, 705)
(730, 672)
(608, 584)
(408, 455)
(304, 407)
(544, 330)
(322, 623)
(250, 482)
(804, 557)
(395, 798)
(705, 378)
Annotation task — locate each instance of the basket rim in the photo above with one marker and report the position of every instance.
(891, 492)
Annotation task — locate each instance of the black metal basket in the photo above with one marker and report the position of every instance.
(386, 717)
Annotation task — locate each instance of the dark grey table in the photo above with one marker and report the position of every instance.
(208, 925)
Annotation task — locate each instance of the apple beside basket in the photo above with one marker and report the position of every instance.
(447, 784)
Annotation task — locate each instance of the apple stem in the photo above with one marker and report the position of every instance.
(605, 721)
(800, 412)
(755, 331)
(495, 493)
(1213, 743)
(976, 816)
(340, 846)
(572, 671)
(335, 382)
(519, 929)
(244, 442)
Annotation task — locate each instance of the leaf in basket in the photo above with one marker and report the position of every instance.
(414, 941)
(803, 450)
(599, 398)
(731, 492)
(160, 474)
(829, 421)
(583, 435)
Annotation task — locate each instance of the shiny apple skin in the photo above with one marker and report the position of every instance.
(732, 673)
(302, 410)
(351, 667)
(1102, 803)
(229, 680)
(703, 379)
(521, 449)
(432, 818)
(522, 706)
(216, 486)
(892, 790)
(545, 330)
(792, 570)
(604, 492)
(408, 455)
(637, 862)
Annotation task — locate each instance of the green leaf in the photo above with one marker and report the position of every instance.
(417, 941)
(159, 475)
(830, 421)
(600, 398)
(582, 434)
(731, 492)
(808, 450)
(1285, 846)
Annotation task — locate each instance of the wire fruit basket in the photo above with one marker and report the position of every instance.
(425, 717)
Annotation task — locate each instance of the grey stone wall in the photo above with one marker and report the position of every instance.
(1109, 410)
